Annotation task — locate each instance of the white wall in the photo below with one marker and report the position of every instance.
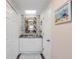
(61, 35)
(47, 33)
(62, 44)
(12, 32)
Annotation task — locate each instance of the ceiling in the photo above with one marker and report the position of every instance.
(38, 5)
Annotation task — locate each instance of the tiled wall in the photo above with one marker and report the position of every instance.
(11, 32)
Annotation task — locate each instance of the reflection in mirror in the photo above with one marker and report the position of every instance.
(32, 26)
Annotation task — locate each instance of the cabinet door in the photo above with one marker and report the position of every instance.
(31, 45)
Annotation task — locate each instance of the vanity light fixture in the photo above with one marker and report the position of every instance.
(30, 12)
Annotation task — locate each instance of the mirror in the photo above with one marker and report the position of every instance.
(30, 25)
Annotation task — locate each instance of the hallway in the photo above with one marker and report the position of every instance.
(39, 29)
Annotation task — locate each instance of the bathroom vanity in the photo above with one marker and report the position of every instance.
(31, 41)
(30, 45)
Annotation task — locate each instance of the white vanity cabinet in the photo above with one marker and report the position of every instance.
(30, 45)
